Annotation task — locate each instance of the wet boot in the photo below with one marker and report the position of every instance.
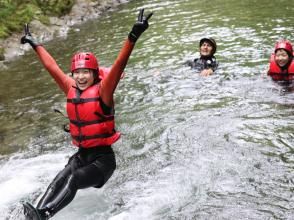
(31, 213)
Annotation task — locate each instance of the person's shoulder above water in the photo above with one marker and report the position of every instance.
(206, 64)
(281, 66)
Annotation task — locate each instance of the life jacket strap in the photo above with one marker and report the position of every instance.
(80, 138)
(85, 123)
(82, 100)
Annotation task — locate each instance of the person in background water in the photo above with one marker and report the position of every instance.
(207, 63)
(90, 108)
(281, 67)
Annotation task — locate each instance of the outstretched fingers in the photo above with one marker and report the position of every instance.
(140, 26)
(27, 30)
(140, 16)
(149, 16)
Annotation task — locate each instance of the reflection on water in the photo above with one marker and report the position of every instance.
(219, 147)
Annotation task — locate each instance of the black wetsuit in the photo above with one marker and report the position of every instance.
(202, 63)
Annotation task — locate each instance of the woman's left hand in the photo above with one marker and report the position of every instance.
(27, 38)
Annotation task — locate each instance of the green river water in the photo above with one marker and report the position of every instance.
(218, 147)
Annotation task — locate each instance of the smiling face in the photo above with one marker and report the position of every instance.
(84, 78)
(281, 57)
(206, 49)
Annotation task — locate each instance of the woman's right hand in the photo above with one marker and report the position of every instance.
(27, 38)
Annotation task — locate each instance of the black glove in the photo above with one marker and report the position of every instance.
(27, 38)
(140, 26)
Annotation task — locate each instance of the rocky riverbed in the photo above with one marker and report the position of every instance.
(82, 11)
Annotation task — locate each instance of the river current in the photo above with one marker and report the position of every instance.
(217, 147)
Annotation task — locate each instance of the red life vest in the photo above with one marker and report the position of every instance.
(277, 73)
(89, 127)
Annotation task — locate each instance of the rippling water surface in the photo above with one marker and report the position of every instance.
(218, 147)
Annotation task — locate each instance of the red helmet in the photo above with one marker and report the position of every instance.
(286, 45)
(84, 60)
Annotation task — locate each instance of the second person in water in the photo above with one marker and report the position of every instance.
(206, 64)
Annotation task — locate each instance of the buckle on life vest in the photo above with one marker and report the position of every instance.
(78, 123)
(77, 100)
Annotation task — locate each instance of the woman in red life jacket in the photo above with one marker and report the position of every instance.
(281, 66)
(90, 109)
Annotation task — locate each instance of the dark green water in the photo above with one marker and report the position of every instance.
(218, 147)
